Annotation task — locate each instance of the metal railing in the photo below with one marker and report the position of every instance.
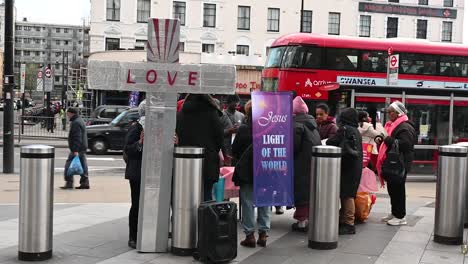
(41, 127)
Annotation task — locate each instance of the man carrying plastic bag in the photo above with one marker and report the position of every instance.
(78, 144)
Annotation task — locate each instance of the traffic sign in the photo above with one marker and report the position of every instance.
(48, 72)
(392, 72)
(390, 51)
(394, 61)
(22, 77)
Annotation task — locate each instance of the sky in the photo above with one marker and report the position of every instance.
(73, 11)
(53, 11)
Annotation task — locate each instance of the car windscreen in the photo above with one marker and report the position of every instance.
(119, 118)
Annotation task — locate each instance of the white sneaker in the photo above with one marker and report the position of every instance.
(387, 218)
(397, 221)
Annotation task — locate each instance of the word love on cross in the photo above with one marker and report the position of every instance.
(162, 77)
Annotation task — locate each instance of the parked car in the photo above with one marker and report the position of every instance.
(104, 114)
(104, 137)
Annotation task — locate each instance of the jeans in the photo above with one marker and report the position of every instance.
(248, 212)
(133, 214)
(84, 163)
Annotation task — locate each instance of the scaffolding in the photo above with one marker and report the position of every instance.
(78, 94)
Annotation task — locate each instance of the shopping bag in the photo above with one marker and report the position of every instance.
(363, 204)
(366, 154)
(218, 189)
(368, 181)
(75, 167)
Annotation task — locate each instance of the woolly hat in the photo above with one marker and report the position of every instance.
(399, 107)
(299, 106)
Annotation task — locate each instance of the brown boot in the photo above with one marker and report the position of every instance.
(249, 241)
(262, 239)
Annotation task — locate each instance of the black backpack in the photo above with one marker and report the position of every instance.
(393, 167)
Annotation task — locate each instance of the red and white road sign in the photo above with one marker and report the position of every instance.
(39, 75)
(390, 51)
(394, 61)
(48, 72)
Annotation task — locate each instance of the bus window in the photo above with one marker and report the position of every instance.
(418, 64)
(307, 57)
(373, 61)
(453, 66)
(275, 57)
(342, 59)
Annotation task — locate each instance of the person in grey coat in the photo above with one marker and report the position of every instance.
(78, 144)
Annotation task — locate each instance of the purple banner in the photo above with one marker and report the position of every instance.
(134, 99)
(273, 154)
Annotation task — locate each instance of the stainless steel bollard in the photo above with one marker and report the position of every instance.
(465, 221)
(324, 199)
(186, 197)
(36, 202)
(450, 195)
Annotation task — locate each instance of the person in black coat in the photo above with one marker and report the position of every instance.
(401, 129)
(133, 155)
(242, 150)
(78, 144)
(350, 141)
(306, 136)
(199, 125)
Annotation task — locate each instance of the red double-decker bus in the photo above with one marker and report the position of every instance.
(432, 82)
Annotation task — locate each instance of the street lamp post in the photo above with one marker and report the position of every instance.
(302, 14)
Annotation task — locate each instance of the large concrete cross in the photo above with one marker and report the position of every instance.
(162, 77)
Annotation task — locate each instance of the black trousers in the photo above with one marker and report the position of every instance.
(397, 194)
(133, 214)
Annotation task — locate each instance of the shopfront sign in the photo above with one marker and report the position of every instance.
(407, 10)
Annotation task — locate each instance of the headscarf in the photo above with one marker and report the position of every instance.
(349, 116)
(299, 106)
(141, 112)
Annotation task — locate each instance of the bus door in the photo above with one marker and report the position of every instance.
(460, 122)
(431, 117)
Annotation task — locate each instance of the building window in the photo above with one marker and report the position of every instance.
(57, 78)
(57, 42)
(143, 11)
(307, 21)
(58, 54)
(178, 11)
(38, 28)
(18, 52)
(27, 28)
(57, 30)
(79, 42)
(273, 19)
(26, 53)
(364, 26)
(208, 48)
(423, 2)
(65, 30)
(113, 10)
(27, 41)
(334, 23)
(243, 17)
(181, 46)
(112, 43)
(37, 41)
(242, 50)
(392, 27)
(447, 31)
(140, 44)
(209, 15)
(37, 53)
(421, 30)
(19, 28)
(448, 3)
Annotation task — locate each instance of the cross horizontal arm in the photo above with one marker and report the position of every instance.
(162, 77)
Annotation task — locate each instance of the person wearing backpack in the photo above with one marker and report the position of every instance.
(402, 132)
(306, 136)
(350, 141)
